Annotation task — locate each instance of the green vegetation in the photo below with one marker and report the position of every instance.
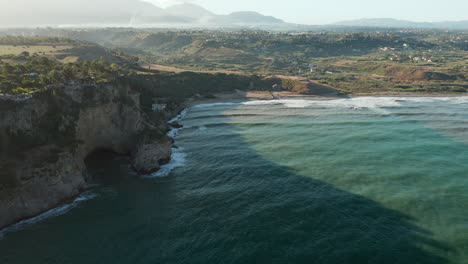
(386, 61)
(367, 61)
(37, 73)
(177, 87)
(16, 50)
(17, 40)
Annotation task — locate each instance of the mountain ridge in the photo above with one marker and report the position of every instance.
(122, 12)
(399, 23)
(139, 13)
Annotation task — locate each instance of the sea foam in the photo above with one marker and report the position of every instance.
(178, 156)
(63, 209)
(375, 104)
(217, 104)
(178, 159)
(179, 116)
(359, 103)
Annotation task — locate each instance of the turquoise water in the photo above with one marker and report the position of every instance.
(363, 180)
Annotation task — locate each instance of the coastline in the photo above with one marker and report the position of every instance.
(60, 209)
(240, 96)
(178, 156)
(177, 159)
(71, 177)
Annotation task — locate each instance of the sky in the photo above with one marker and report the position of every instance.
(328, 11)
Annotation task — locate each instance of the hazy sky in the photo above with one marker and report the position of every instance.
(326, 11)
(295, 11)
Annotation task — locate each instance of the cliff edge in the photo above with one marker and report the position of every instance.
(45, 138)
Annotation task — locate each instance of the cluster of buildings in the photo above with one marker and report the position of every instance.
(397, 58)
(421, 59)
(311, 67)
(400, 58)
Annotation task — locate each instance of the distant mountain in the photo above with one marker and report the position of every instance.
(108, 12)
(144, 12)
(204, 16)
(453, 24)
(118, 13)
(247, 17)
(396, 23)
(190, 10)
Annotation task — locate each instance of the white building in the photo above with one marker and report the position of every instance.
(159, 107)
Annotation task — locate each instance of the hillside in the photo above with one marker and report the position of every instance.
(391, 61)
(373, 61)
(396, 23)
(17, 50)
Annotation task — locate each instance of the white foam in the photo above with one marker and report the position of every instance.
(297, 103)
(173, 133)
(179, 116)
(178, 156)
(286, 102)
(178, 159)
(358, 103)
(263, 102)
(63, 209)
(376, 104)
(216, 104)
(449, 99)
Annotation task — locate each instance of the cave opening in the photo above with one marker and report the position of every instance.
(107, 166)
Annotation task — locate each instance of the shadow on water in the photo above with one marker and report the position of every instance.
(250, 210)
(274, 215)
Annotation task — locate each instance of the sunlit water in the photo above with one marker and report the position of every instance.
(363, 180)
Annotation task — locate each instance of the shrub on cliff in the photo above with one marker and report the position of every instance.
(37, 73)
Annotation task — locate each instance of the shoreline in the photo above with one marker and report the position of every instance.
(61, 208)
(166, 169)
(69, 203)
(241, 96)
(178, 156)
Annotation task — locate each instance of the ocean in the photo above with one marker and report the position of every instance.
(359, 180)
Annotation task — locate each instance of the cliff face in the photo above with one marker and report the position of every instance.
(45, 139)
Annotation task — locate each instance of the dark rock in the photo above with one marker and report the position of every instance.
(176, 125)
(45, 154)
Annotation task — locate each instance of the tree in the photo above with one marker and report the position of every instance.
(55, 77)
(7, 69)
(68, 73)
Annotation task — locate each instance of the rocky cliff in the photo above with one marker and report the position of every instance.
(45, 139)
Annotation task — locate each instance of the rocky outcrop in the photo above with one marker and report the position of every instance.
(44, 141)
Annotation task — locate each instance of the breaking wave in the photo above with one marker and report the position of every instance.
(178, 159)
(63, 209)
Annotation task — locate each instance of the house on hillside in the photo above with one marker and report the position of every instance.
(407, 47)
(33, 75)
(277, 87)
(312, 67)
